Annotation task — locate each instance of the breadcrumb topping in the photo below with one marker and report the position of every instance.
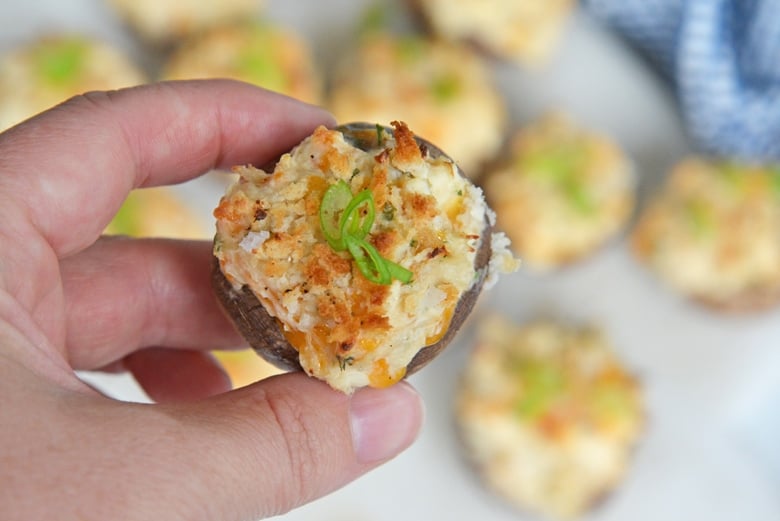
(349, 330)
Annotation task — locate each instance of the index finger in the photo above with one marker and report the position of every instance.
(70, 168)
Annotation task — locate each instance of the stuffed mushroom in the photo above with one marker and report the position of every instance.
(522, 30)
(713, 233)
(562, 193)
(358, 257)
(164, 22)
(255, 52)
(47, 71)
(443, 90)
(548, 415)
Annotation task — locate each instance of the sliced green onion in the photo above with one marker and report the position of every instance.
(543, 384)
(445, 88)
(374, 19)
(335, 200)
(351, 222)
(410, 49)
(775, 173)
(399, 272)
(368, 260)
(699, 217)
(346, 220)
(59, 62)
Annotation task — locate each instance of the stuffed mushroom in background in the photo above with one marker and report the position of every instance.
(163, 22)
(522, 30)
(357, 258)
(563, 192)
(159, 212)
(255, 52)
(713, 233)
(442, 90)
(548, 415)
(47, 71)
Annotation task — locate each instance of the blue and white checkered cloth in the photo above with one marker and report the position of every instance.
(723, 57)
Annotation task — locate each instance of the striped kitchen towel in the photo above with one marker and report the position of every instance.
(723, 58)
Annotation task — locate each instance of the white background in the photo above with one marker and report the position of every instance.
(712, 382)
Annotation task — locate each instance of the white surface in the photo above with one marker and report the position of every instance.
(711, 450)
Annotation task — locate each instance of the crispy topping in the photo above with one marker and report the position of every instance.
(335, 219)
(406, 152)
(423, 206)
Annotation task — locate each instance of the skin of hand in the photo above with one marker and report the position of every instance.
(73, 300)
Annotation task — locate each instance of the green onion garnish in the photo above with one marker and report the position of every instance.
(775, 173)
(445, 88)
(60, 62)
(336, 198)
(368, 260)
(352, 221)
(399, 272)
(346, 220)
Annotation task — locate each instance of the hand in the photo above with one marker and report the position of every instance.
(71, 300)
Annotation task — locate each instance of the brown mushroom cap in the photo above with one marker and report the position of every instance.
(264, 333)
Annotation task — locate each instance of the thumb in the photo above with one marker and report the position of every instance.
(264, 449)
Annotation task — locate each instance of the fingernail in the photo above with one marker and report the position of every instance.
(384, 421)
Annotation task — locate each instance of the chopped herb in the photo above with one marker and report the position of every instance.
(410, 49)
(258, 63)
(460, 192)
(59, 62)
(413, 243)
(578, 196)
(699, 217)
(374, 19)
(542, 384)
(344, 361)
(774, 172)
(733, 174)
(354, 173)
(562, 167)
(445, 88)
(608, 399)
(388, 211)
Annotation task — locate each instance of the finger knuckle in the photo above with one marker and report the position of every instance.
(302, 447)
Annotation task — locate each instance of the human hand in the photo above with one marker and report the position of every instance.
(71, 300)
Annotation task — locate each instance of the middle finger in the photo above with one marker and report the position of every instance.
(124, 294)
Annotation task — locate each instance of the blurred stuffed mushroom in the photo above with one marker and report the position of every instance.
(358, 257)
(256, 52)
(713, 233)
(47, 71)
(562, 192)
(548, 414)
(162, 23)
(443, 90)
(525, 31)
